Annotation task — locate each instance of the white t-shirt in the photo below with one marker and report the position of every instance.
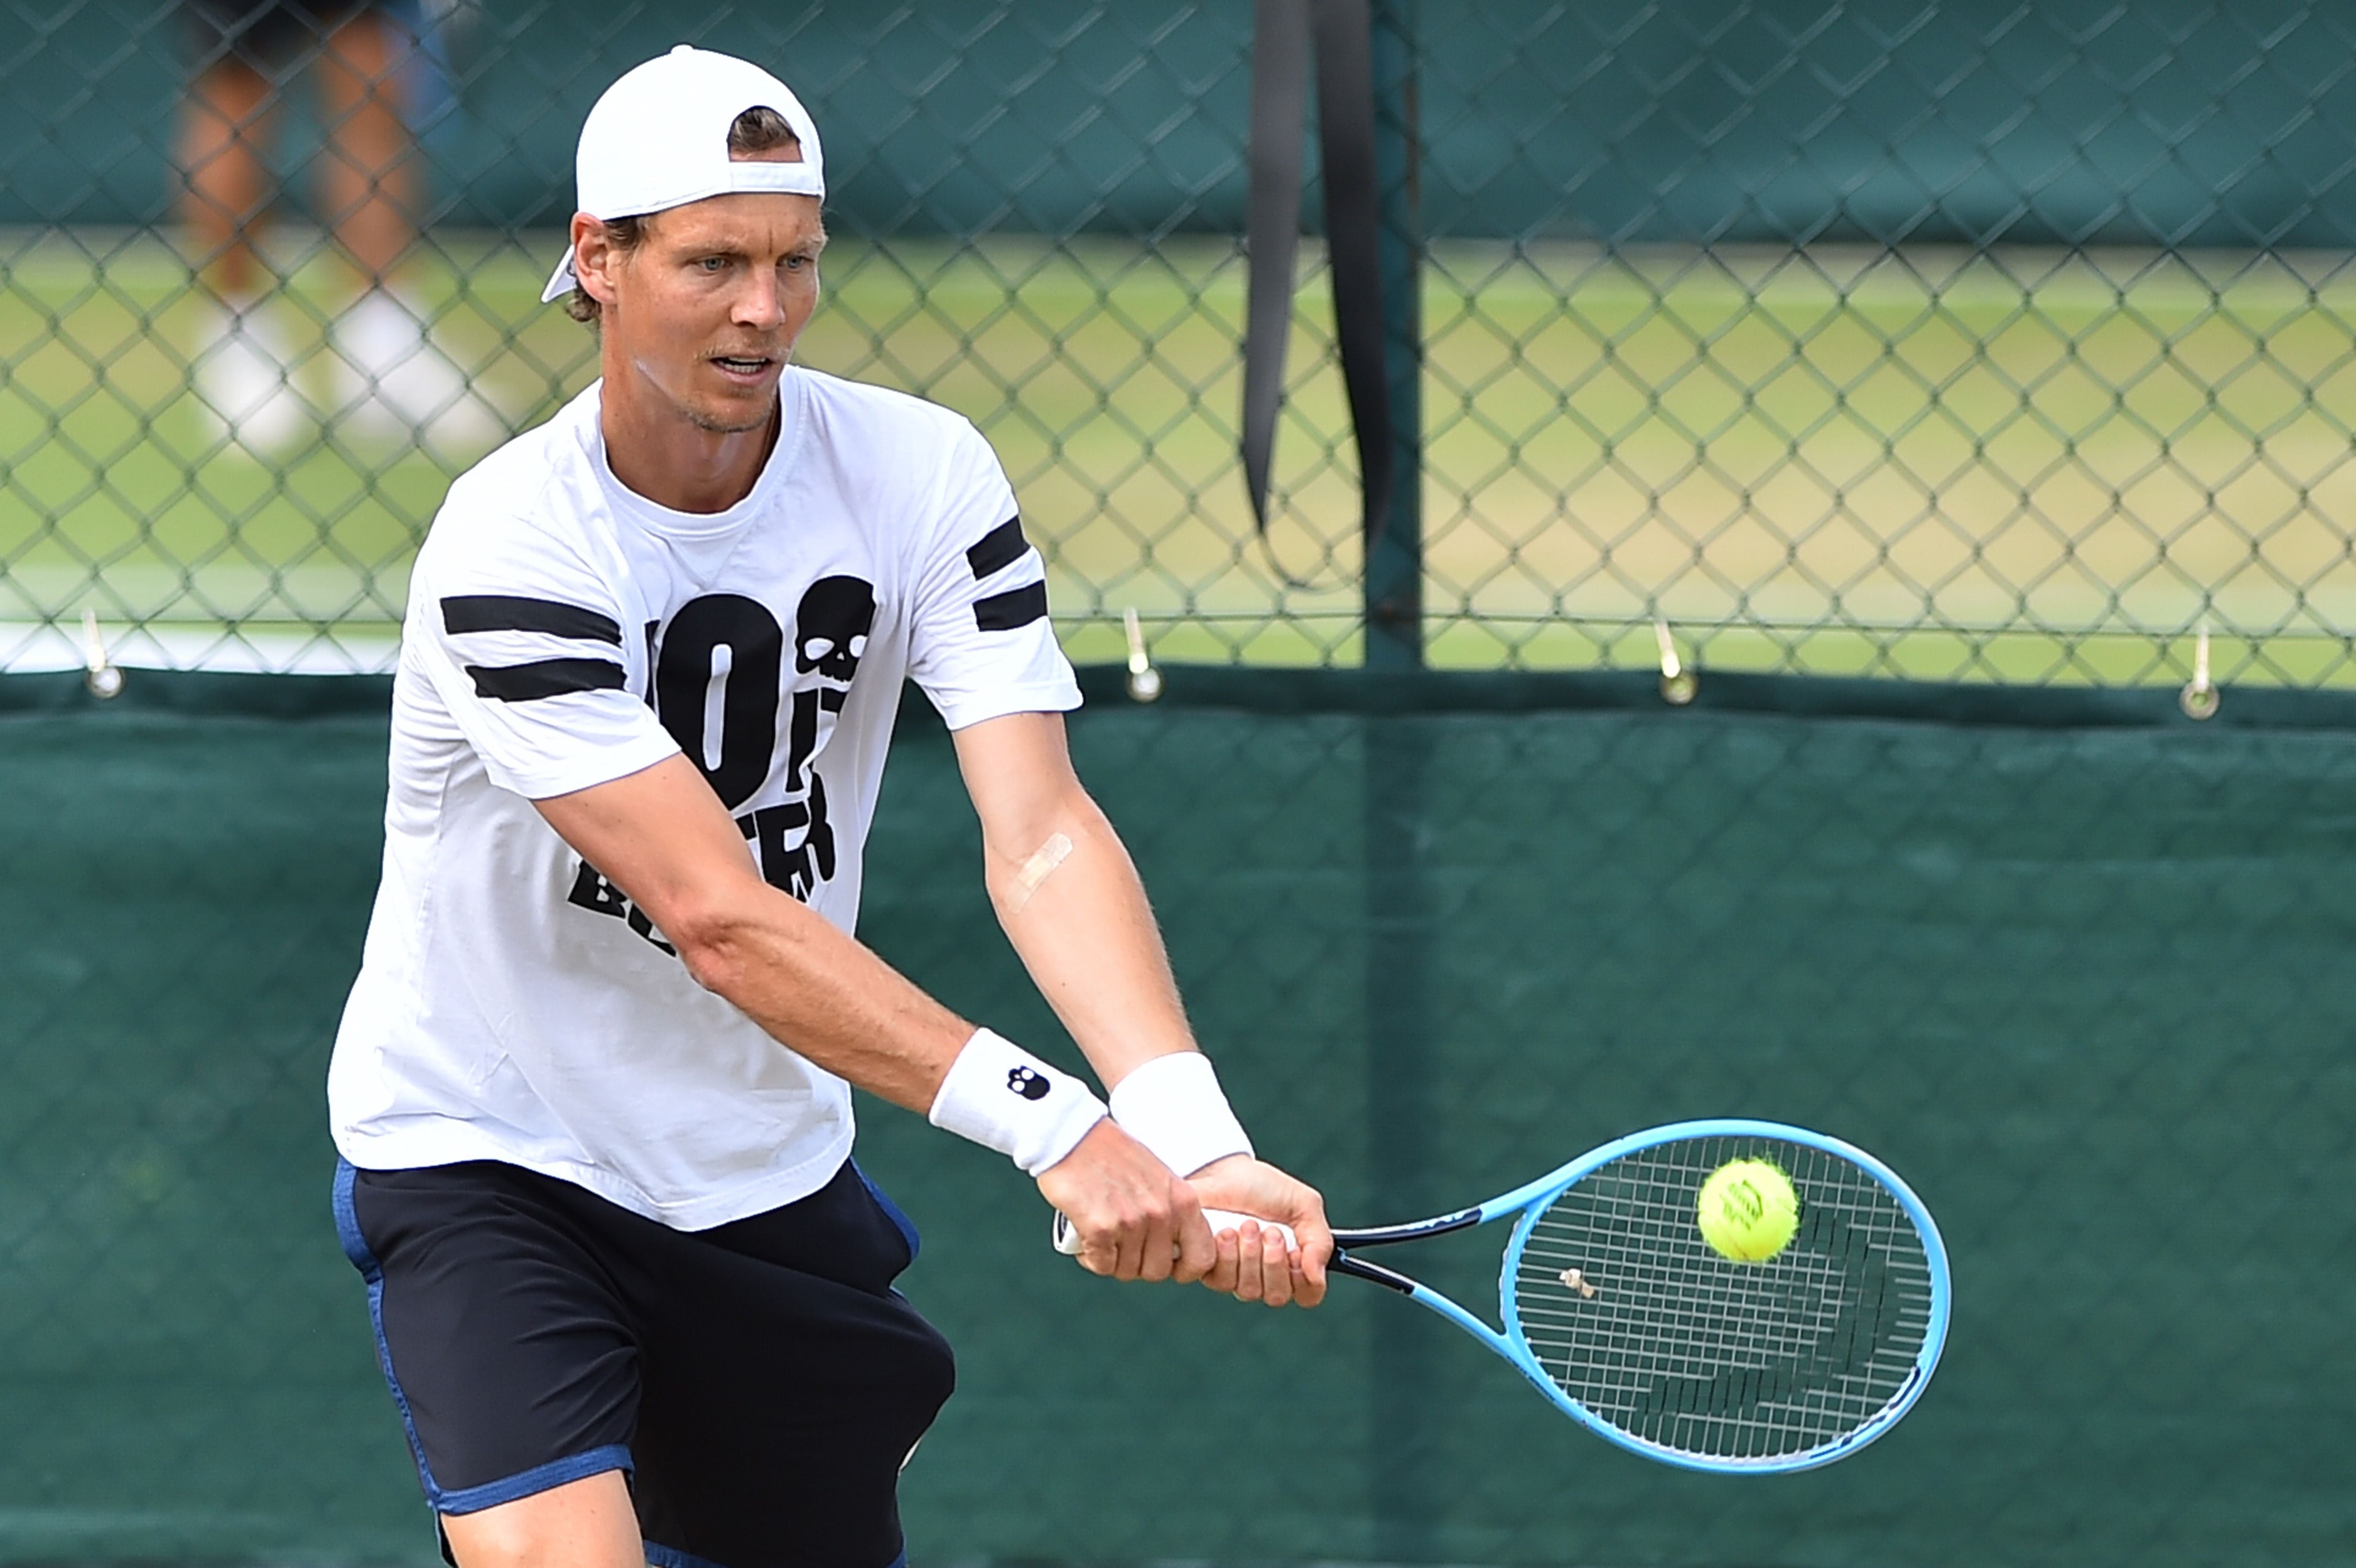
(564, 631)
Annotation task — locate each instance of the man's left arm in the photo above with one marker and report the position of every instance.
(1070, 901)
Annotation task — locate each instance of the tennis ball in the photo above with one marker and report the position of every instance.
(1748, 1211)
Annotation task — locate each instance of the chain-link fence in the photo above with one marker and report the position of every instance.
(1939, 339)
(2086, 988)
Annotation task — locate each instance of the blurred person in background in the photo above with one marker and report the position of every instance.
(388, 380)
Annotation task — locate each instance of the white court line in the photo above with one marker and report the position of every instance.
(31, 646)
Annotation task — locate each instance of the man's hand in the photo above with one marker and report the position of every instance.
(1253, 1261)
(1135, 1220)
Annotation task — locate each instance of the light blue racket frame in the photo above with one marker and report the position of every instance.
(1529, 1202)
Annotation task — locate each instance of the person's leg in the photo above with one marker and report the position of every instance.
(587, 1523)
(244, 359)
(223, 127)
(369, 176)
(394, 380)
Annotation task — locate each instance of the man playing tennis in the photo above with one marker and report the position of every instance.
(592, 1089)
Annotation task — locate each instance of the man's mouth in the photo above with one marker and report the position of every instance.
(743, 365)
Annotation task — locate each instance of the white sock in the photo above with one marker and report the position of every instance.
(245, 370)
(379, 332)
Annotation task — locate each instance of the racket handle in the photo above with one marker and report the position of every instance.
(1067, 1235)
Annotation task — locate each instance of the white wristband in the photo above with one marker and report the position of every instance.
(1172, 1105)
(1002, 1097)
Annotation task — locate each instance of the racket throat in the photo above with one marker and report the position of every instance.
(1383, 1235)
(1374, 1274)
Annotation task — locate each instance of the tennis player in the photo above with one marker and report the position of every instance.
(593, 1086)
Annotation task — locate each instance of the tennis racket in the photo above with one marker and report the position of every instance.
(1616, 1310)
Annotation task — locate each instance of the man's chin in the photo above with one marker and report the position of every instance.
(736, 416)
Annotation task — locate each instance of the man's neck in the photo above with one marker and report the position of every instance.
(674, 462)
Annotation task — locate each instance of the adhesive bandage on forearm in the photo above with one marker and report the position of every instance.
(1172, 1105)
(1038, 868)
(1002, 1097)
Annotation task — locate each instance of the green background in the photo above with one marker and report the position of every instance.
(1940, 339)
(2173, 121)
(2078, 971)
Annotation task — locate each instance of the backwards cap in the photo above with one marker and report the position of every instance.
(658, 139)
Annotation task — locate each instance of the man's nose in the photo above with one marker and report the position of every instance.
(761, 302)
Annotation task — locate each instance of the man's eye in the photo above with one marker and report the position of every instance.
(711, 264)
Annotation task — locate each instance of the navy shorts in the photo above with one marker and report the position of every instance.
(268, 35)
(759, 1383)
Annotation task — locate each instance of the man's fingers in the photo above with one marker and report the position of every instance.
(1159, 1249)
(1226, 1251)
(1189, 1249)
(1264, 1264)
(1153, 1242)
(1159, 1230)
(1316, 1250)
(1132, 1215)
(1100, 1254)
(1265, 1270)
(1198, 1250)
(1133, 1239)
(1253, 1263)
(1247, 1280)
(1309, 1264)
(1275, 1268)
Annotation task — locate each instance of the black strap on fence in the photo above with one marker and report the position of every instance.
(1342, 31)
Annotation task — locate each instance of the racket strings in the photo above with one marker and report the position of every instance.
(1634, 1317)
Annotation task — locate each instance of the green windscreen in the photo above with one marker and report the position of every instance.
(2080, 974)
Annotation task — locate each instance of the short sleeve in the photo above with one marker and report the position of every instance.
(528, 650)
(981, 644)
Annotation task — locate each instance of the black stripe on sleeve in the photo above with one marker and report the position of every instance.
(544, 677)
(1016, 607)
(998, 549)
(510, 613)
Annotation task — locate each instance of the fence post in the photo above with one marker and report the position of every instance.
(1403, 1385)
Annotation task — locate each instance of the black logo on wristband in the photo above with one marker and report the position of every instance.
(1027, 1084)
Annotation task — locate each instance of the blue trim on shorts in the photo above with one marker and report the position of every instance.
(893, 1211)
(356, 1248)
(539, 1479)
(467, 1500)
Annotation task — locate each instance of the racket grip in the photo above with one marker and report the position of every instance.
(1067, 1235)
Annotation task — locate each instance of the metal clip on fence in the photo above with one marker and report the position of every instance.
(1678, 684)
(1145, 680)
(2200, 698)
(100, 674)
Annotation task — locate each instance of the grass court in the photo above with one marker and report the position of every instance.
(2031, 465)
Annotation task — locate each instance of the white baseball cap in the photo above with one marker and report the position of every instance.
(658, 139)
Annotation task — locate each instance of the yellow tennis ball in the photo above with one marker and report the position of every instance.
(1748, 1211)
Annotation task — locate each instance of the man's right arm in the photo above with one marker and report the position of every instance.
(661, 835)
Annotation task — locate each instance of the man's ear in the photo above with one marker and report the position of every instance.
(594, 258)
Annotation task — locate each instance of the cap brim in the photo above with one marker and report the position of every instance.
(562, 281)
